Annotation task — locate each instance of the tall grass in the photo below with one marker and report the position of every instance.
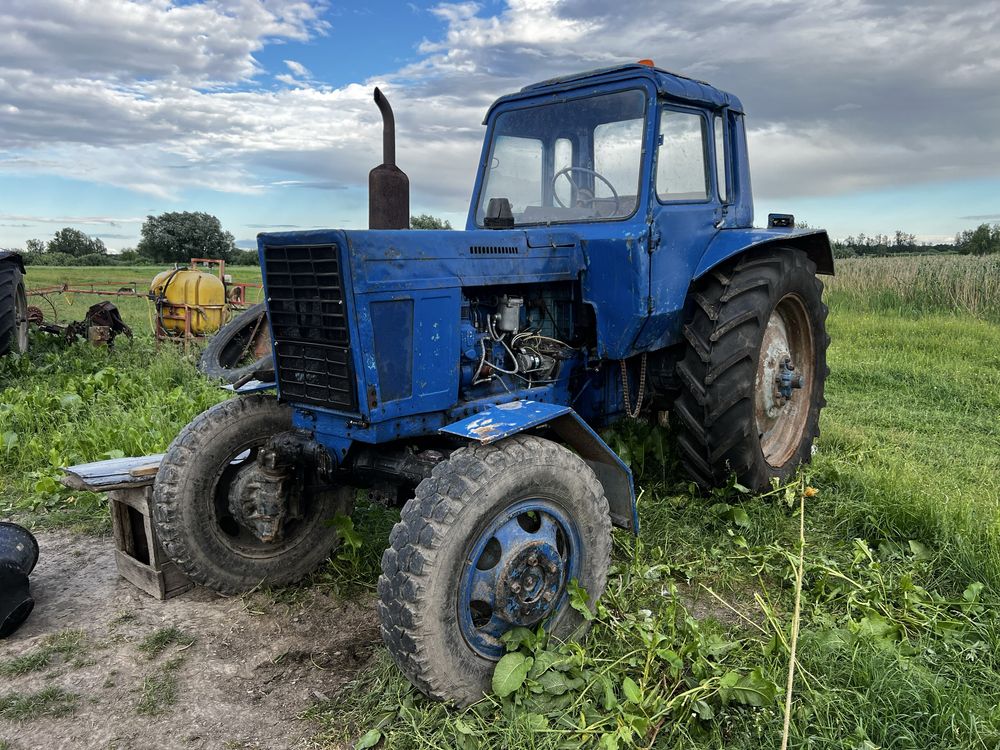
(920, 284)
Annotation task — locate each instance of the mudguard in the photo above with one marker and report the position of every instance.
(503, 420)
(730, 242)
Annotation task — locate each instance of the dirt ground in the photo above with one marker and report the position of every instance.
(254, 664)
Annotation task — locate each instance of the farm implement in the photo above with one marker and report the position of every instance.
(187, 304)
(609, 269)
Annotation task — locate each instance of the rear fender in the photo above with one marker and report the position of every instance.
(729, 243)
(503, 420)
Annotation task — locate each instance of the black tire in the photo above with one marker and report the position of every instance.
(190, 489)
(430, 547)
(722, 426)
(227, 355)
(13, 310)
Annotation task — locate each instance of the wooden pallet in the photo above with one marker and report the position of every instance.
(139, 555)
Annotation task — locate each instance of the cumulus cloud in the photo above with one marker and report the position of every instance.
(162, 97)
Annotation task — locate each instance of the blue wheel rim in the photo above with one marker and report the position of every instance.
(516, 573)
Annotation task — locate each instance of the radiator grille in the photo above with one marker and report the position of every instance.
(308, 314)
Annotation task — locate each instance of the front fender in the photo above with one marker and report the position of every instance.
(503, 420)
(729, 243)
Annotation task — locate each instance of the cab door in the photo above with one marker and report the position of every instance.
(689, 194)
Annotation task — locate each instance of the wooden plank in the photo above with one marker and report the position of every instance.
(139, 575)
(137, 497)
(148, 470)
(174, 581)
(116, 473)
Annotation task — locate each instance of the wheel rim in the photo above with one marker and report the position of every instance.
(786, 367)
(21, 319)
(517, 573)
(233, 535)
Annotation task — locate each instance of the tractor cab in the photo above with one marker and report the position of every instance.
(611, 145)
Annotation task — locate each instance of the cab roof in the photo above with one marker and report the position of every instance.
(671, 85)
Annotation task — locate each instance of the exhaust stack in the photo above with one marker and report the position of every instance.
(388, 185)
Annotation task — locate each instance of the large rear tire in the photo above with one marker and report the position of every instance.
(192, 509)
(490, 542)
(751, 321)
(13, 310)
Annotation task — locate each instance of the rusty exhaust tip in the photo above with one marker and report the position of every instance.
(388, 185)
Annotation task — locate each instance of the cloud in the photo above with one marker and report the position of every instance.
(298, 69)
(83, 220)
(162, 97)
(982, 217)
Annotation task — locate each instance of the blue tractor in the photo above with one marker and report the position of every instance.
(608, 269)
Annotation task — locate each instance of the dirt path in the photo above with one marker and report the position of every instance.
(131, 683)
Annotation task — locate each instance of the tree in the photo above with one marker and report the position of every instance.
(37, 247)
(178, 236)
(983, 240)
(426, 221)
(74, 242)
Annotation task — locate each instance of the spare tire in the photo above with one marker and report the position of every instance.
(13, 308)
(241, 348)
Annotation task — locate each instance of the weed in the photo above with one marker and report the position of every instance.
(51, 701)
(157, 642)
(69, 644)
(159, 689)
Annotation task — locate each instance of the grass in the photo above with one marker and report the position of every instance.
(67, 404)
(960, 284)
(157, 642)
(902, 578)
(69, 644)
(49, 702)
(900, 601)
(159, 689)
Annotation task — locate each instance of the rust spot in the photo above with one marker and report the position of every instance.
(484, 431)
(372, 397)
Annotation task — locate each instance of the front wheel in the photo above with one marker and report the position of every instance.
(206, 502)
(753, 372)
(491, 541)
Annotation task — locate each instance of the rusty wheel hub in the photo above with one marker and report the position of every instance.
(787, 354)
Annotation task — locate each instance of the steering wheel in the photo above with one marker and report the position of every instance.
(568, 171)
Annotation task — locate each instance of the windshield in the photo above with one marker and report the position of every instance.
(571, 161)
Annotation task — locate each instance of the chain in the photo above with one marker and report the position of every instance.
(634, 414)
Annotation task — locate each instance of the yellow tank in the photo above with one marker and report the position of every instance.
(202, 293)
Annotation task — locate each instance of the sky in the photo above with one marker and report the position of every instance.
(863, 115)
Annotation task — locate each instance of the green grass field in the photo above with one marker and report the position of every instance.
(900, 635)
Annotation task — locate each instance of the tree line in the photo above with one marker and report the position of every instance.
(172, 237)
(983, 240)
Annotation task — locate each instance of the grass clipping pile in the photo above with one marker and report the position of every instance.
(99, 664)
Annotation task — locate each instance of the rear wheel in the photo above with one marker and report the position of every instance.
(490, 542)
(753, 373)
(201, 507)
(13, 310)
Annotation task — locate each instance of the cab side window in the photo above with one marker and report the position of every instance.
(681, 173)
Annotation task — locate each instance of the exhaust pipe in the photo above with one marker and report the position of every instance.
(388, 185)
